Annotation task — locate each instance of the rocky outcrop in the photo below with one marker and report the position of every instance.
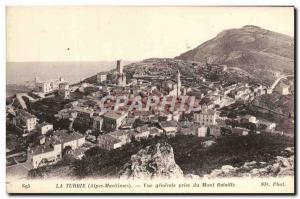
(156, 161)
(281, 166)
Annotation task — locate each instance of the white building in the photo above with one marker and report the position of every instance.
(122, 135)
(48, 86)
(43, 87)
(25, 121)
(101, 77)
(154, 131)
(143, 132)
(44, 128)
(250, 118)
(240, 131)
(113, 120)
(270, 126)
(97, 123)
(205, 117)
(54, 148)
(170, 128)
(108, 142)
(283, 89)
(202, 131)
(43, 155)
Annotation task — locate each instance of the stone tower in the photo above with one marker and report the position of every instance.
(178, 83)
(120, 66)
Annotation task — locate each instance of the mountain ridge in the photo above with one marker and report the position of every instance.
(249, 48)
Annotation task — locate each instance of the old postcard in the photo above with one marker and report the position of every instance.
(128, 99)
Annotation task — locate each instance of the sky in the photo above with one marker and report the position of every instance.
(38, 34)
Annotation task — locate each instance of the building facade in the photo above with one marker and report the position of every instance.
(205, 117)
(25, 121)
(113, 120)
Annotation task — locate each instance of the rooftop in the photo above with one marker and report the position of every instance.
(83, 110)
(102, 73)
(63, 136)
(108, 139)
(142, 128)
(43, 124)
(40, 149)
(248, 116)
(98, 118)
(207, 112)
(119, 133)
(25, 114)
(64, 83)
(171, 123)
(113, 115)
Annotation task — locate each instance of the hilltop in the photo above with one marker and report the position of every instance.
(263, 53)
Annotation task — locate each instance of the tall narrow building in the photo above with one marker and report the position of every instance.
(120, 66)
(121, 76)
(178, 84)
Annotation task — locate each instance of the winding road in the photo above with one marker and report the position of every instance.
(278, 80)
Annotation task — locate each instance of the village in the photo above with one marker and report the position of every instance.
(113, 109)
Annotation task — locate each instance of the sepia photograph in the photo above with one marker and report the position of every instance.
(150, 100)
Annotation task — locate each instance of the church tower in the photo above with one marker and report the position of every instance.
(178, 83)
(121, 81)
(120, 66)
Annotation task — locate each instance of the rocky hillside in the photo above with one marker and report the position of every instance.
(183, 156)
(258, 51)
(282, 166)
(156, 161)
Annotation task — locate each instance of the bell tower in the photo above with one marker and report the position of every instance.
(178, 83)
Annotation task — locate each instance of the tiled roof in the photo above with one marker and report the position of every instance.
(168, 124)
(65, 136)
(119, 133)
(108, 139)
(25, 114)
(40, 149)
(113, 115)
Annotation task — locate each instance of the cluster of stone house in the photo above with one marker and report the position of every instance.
(48, 145)
(245, 91)
(283, 89)
(209, 123)
(54, 147)
(25, 122)
(120, 137)
(209, 98)
(43, 88)
(47, 86)
(120, 127)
